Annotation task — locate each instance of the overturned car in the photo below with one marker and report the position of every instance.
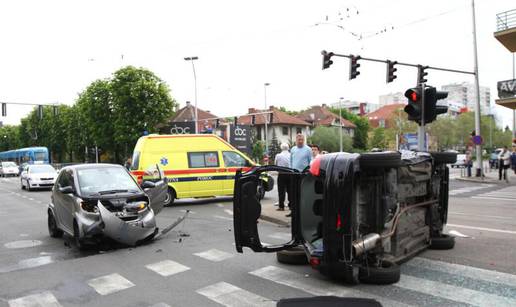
(355, 217)
(90, 201)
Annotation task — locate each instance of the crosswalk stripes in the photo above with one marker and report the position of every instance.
(111, 283)
(43, 299)
(469, 189)
(508, 193)
(214, 255)
(167, 268)
(232, 296)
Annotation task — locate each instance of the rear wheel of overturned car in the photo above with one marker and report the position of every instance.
(444, 157)
(171, 196)
(53, 230)
(76, 236)
(385, 273)
(380, 159)
(442, 243)
(295, 255)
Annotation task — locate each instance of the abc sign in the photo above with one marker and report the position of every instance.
(179, 130)
(240, 132)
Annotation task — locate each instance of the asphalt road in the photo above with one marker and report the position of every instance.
(196, 264)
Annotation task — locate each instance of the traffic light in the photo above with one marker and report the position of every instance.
(413, 108)
(421, 74)
(4, 109)
(253, 120)
(353, 66)
(391, 70)
(326, 61)
(432, 96)
(40, 112)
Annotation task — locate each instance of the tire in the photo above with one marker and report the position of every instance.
(260, 193)
(444, 157)
(53, 230)
(78, 242)
(443, 242)
(387, 273)
(380, 159)
(170, 198)
(294, 255)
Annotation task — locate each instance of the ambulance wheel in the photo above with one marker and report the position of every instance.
(171, 196)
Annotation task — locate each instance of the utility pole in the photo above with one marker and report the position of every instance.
(340, 121)
(421, 128)
(192, 59)
(478, 147)
(265, 118)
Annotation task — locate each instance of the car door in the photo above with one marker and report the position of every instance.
(58, 197)
(158, 193)
(67, 201)
(247, 210)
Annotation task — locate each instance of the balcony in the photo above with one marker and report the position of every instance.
(506, 29)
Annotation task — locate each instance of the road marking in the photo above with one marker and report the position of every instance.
(453, 293)
(220, 205)
(483, 216)
(463, 270)
(229, 295)
(223, 217)
(494, 198)
(281, 236)
(482, 228)
(167, 267)
(43, 299)
(110, 284)
(316, 286)
(230, 212)
(469, 189)
(214, 255)
(31, 198)
(160, 305)
(23, 244)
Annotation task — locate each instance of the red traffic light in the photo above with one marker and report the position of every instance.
(413, 94)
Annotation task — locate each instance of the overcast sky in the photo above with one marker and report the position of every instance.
(51, 50)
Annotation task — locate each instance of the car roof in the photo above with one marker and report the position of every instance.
(91, 166)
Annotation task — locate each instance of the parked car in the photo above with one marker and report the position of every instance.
(355, 217)
(461, 161)
(37, 176)
(90, 201)
(8, 168)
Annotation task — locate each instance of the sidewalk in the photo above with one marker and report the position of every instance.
(270, 214)
(490, 176)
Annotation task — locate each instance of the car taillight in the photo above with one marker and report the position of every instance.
(89, 207)
(315, 262)
(315, 167)
(339, 222)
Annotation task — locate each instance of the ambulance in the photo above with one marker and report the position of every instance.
(195, 165)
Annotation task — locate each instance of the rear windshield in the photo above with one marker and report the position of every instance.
(8, 164)
(95, 180)
(39, 169)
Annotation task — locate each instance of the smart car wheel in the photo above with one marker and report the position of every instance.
(385, 273)
(76, 236)
(380, 159)
(444, 157)
(443, 242)
(294, 255)
(171, 196)
(53, 230)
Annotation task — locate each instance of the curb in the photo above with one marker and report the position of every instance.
(274, 220)
(479, 180)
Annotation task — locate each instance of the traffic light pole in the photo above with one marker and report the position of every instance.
(421, 127)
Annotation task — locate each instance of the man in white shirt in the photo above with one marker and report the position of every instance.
(283, 159)
(504, 162)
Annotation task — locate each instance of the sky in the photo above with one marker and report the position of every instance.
(52, 50)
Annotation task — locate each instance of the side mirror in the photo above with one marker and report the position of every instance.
(148, 185)
(66, 190)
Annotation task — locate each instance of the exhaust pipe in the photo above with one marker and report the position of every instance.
(366, 243)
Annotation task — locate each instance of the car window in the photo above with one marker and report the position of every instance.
(203, 159)
(39, 169)
(64, 180)
(96, 180)
(233, 159)
(135, 160)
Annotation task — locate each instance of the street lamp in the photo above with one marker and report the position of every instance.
(265, 117)
(340, 121)
(192, 59)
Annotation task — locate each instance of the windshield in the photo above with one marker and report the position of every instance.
(105, 179)
(39, 169)
(8, 164)
(40, 156)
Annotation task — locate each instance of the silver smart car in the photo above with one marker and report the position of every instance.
(90, 201)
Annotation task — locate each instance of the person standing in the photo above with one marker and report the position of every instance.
(504, 163)
(469, 162)
(513, 159)
(316, 151)
(300, 155)
(283, 159)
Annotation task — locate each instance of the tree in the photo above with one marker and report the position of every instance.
(274, 148)
(362, 127)
(289, 112)
(9, 137)
(258, 151)
(327, 138)
(378, 138)
(140, 101)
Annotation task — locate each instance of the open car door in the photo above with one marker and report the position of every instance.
(158, 193)
(247, 209)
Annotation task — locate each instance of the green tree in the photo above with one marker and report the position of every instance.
(378, 139)
(9, 137)
(362, 127)
(258, 151)
(274, 147)
(328, 139)
(289, 112)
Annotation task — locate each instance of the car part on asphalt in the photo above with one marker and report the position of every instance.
(295, 255)
(443, 242)
(380, 274)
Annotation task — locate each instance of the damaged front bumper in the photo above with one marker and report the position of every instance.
(128, 232)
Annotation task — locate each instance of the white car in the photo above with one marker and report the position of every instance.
(461, 161)
(8, 169)
(38, 176)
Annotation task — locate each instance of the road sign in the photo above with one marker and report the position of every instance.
(477, 140)
(240, 138)
(507, 88)
(179, 128)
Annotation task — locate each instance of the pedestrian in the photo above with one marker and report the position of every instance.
(283, 159)
(128, 163)
(316, 151)
(513, 159)
(503, 163)
(469, 162)
(300, 156)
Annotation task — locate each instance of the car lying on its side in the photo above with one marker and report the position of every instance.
(90, 201)
(355, 216)
(8, 168)
(38, 176)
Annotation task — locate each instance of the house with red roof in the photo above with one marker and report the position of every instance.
(322, 116)
(384, 117)
(206, 122)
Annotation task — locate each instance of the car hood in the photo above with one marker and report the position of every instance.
(43, 175)
(10, 168)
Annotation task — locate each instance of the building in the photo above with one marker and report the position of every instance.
(283, 126)
(207, 121)
(465, 94)
(321, 116)
(385, 116)
(392, 98)
(355, 107)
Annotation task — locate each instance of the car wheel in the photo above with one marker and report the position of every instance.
(260, 193)
(387, 273)
(76, 236)
(294, 255)
(171, 196)
(444, 157)
(442, 243)
(380, 159)
(53, 230)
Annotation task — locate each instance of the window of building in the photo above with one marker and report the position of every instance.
(284, 130)
(298, 130)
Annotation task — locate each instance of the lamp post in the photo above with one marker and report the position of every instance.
(265, 118)
(340, 121)
(192, 59)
